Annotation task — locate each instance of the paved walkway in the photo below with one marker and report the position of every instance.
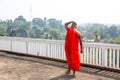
(14, 67)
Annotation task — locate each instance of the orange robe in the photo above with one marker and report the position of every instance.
(72, 50)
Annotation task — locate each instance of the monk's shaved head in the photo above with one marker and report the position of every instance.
(74, 25)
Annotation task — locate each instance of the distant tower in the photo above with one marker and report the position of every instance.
(30, 10)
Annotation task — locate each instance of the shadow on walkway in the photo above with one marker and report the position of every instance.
(63, 77)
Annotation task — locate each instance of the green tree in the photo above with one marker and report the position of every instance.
(117, 40)
(39, 22)
(21, 32)
(20, 27)
(46, 29)
(96, 33)
(2, 29)
(32, 34)
(112, 31)
(53, 23)
(55, 34)
(20, 18)
(37, 31)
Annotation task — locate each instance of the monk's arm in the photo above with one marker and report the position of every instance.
(66, 24)
(81, 46)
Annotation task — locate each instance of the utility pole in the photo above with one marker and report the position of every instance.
(30, 12)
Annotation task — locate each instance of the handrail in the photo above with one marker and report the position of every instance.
(99, 54)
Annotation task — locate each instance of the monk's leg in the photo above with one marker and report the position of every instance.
(74, 72)
(68, 71)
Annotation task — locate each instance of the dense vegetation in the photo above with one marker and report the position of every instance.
(109, 33)
(37, 28)
(54, 29)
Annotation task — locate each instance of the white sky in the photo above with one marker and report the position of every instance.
(81, 11)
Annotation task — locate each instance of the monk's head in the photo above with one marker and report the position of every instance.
(74, 25)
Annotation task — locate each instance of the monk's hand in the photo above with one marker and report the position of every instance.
(81, 51)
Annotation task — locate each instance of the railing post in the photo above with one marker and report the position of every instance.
(46, 49)
(26, 46)
(118, 58)
(104, 56)
(11, 45)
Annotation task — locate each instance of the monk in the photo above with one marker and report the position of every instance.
(72, 44)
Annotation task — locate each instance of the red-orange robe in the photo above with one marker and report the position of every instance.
(72, 49)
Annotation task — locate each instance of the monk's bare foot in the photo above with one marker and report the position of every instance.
(73, 72)
(68, 71)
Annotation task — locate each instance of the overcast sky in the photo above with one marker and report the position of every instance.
(81, 11)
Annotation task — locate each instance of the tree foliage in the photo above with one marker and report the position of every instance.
(39, 22)
(112, 31)
(54, 29)
(2, 29)
(117, 40)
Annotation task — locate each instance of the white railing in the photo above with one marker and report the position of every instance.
(100, 54)
(107, 55)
